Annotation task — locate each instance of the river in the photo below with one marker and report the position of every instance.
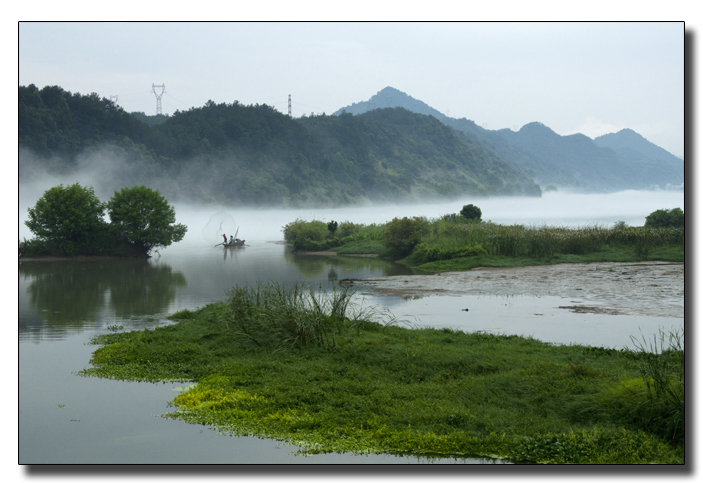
(67, 419)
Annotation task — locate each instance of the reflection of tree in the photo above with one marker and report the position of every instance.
(71, 292)
(143, 289)
(316, 265)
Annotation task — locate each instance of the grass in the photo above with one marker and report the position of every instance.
(360, 247)
(315, 371)
(453, 243)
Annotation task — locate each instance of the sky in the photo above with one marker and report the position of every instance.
(588, 77)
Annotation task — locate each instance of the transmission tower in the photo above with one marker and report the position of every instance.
(289, 110)
(113, 98)
(158, 96)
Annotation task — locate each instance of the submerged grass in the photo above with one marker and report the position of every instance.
(316, 371)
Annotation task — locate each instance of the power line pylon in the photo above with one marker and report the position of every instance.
(158, 96)
(114, 98)
(289, 110)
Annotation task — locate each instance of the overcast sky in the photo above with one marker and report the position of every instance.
(592, 78)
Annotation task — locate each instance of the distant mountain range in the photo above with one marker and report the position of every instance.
(617, 161)
(391, 148)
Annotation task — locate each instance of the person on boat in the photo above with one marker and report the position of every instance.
(225, 237)
(231, 240)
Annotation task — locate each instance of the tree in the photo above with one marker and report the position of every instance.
(142, 217)
(69, 217)
(332, 227)
(471, 212)
(665, 218)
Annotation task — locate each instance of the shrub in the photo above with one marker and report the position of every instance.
(665, 218)
(300, 233)
(471, 212)
(332, 227)
(402, 235)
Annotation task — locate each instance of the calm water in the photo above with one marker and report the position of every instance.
(64, 418)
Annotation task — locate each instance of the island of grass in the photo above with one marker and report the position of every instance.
(315, 370)
(454, 242)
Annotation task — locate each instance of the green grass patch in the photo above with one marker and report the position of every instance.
(315, 371)
(452, 243)
(360, 247)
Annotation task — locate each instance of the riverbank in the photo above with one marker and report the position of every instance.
(333, 379)
(452, 243)
(642, 288)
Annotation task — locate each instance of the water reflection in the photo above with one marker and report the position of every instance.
(73, 293)
(340, 267)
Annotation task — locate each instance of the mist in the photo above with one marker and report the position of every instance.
(552, 209)
(107, 169)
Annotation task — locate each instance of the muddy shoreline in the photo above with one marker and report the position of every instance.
(647, 288)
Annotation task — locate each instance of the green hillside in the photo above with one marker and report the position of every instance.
(255, 155)
(613, 162)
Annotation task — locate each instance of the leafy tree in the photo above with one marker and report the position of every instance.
(332, 227)
(665, 218)
(471, 212)
(143, 217)
(402, 235)
(69, 217)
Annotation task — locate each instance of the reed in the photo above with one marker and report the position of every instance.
(662, 367)
(270, 315)
(545, 242)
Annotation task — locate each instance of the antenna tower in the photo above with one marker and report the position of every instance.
(158, 96)
(113, 97)
(289, 111)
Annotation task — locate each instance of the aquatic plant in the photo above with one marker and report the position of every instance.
(365, 387)
(273, 316)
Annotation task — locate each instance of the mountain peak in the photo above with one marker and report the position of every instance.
(391, 97)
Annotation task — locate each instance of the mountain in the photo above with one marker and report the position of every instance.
(255, 155)
(612, 162)
(653, 161)
(391, 97)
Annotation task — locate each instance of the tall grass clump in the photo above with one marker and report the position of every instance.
(543, 242)
(661, 409)
(271, 316)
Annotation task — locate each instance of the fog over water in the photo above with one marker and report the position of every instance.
(553, 209)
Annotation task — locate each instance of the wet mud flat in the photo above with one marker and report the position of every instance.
(652, 289)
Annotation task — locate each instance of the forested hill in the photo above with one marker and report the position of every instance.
(255, 155)
(624, 160)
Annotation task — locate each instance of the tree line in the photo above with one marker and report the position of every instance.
(255, 155)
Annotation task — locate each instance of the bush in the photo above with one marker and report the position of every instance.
(471, 212)
(402, 235)
(665, 218)
(300, 233)
(332, 227)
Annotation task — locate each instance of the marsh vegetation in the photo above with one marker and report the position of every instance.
(316, 371)
(455, 242)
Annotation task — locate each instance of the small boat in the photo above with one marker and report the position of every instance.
(234, 243)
